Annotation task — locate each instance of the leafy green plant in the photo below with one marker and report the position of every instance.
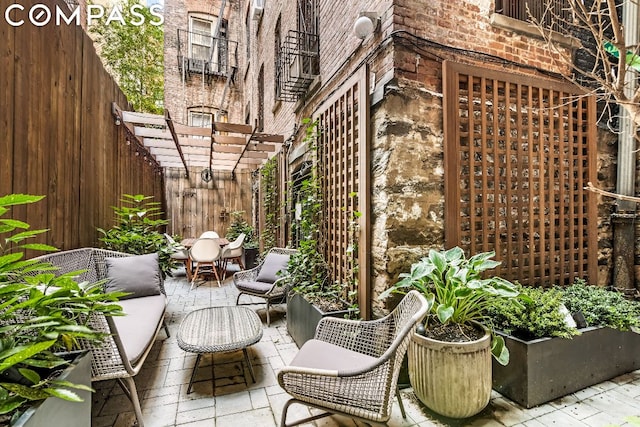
(238, 226)
(134, 55)
(308, 272)
(138, 230)
(456, 291)
(40, 315)
(269, 183)
(537, 316)
(601, 307)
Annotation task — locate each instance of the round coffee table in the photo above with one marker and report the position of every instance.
(218, 330)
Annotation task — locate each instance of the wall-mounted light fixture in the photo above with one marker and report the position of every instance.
(366, 24)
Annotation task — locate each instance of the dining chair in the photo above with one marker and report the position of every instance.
(179, 254)
(233, 252)
(209, 235)
(205, 254)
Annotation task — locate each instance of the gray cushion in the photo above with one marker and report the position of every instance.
(318, 354)
(139, 274)
(273, 263)
(255, 287)
(137, 328)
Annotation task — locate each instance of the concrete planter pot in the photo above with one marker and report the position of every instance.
(58, 412)
(548, 368)
(303, 318)
(250, 256)
(452, 379)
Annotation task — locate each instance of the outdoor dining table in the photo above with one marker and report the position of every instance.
(188, 242)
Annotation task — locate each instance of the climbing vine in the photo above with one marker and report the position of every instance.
(269, 183)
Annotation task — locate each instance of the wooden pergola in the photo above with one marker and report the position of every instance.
(223, 147)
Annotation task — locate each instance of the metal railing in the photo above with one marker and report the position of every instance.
(553, 14)
(298, 64)
(204, 54)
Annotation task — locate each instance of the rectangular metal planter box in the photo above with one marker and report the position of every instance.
(548, 368)
(58, 412)
(303, 318)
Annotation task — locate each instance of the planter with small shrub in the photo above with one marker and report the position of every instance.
(550, 356)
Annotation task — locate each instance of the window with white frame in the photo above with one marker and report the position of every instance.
(200, 38)
(200, 119)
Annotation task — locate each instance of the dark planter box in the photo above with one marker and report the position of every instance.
(250, 256)
(543, 370)
(58, 412)
(303, 318)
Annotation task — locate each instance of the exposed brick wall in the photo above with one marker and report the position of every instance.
(189, 92)
(466, 25)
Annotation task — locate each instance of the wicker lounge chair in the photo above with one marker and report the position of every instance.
(351, 367)
(128, 339)
(265, 280)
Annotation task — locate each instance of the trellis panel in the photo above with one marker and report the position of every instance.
(344, 168)
(519, 152)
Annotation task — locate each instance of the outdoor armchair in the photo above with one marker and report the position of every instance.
(267, 279)
(351, 367)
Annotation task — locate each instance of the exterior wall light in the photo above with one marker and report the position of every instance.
(366, 24)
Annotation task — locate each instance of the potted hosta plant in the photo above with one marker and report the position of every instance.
(42, 319)
(450, 352)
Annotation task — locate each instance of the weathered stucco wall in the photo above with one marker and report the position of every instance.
(408, 181)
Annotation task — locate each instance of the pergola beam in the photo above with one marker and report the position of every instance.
(224, 146)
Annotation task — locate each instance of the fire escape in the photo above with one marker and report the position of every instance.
(298, 59)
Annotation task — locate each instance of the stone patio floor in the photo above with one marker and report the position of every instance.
(162, 384)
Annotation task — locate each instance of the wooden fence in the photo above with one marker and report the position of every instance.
(195, 206)
(58, 137)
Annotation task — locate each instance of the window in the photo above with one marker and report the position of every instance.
(277, 53)
(207, 53)
(558, 17)
(261, 100)
(200, 119)
(308, 16)
(248, 35)
(201, 38)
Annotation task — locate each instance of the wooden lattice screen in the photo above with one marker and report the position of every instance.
(518, 154)
(343, 167)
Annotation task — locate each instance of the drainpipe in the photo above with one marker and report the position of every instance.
(624, 218)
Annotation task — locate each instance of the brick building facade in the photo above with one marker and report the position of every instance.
(417, 110)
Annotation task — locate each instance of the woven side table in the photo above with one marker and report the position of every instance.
(218, 330)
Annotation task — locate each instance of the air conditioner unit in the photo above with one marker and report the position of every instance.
(257, 9)
(300, 77)
(196, 65)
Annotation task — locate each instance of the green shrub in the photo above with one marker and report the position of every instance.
(535, 317)
(238, 226)
(602, 307)
(138, 230)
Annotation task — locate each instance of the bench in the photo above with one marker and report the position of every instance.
(130, 337)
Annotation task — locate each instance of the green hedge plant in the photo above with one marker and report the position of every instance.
(538, 315)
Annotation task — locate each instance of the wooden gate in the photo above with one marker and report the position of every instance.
(518, 153)
(343, 167)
